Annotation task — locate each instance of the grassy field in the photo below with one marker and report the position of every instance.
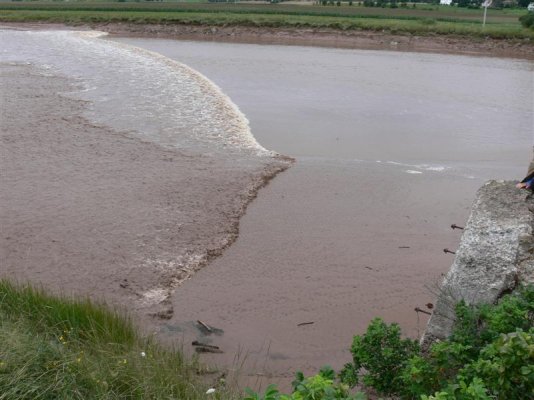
(57, 348)
(423, 20)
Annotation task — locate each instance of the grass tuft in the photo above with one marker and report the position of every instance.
(59, 348)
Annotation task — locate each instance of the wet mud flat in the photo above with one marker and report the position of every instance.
(89, 211)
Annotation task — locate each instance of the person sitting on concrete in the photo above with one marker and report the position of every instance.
(528, 182)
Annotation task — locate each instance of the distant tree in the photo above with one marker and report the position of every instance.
(527, 20)
(523, 3)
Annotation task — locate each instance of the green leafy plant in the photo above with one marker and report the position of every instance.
(383, 354)
(488, 352)
(318, 387)
(462, 391)
(506, 366)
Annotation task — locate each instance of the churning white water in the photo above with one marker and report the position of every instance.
(138, 91)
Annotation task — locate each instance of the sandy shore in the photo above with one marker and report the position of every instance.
(89, 211)
(370, 40)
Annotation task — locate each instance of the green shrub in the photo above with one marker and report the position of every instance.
(485, 341)
(382, 354)
(527, 20)
(474, 391)
(506, 366)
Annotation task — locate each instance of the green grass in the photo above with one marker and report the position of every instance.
(58, 348)
(501, 24)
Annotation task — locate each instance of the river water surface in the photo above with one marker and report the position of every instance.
(390, 148)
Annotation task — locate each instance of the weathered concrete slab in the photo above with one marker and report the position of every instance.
(495, 254)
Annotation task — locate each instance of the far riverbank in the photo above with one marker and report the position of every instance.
(324, 37)
(318, 37)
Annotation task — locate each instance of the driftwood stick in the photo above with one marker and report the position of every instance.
(417, 309)
(202, 349)
(206, 327)
(454, 226)
(448, 251)
(197, 343)
(306, 323)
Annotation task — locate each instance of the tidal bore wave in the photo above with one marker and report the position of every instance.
(135, 90)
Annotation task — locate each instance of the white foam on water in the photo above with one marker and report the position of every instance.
(411, 171)
(135, 90)
(155, 296)
(424, 167)
(439, 168)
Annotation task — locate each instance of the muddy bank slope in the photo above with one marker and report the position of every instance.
(332, 38)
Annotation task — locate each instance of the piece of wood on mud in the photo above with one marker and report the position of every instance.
(203, 349)
(306, 323)
(197, 343)
(417, 309)
(205, 326)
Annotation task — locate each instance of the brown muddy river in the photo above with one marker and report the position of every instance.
(390, 149)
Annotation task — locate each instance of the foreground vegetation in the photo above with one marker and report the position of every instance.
(424, 19)
(55, 348)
